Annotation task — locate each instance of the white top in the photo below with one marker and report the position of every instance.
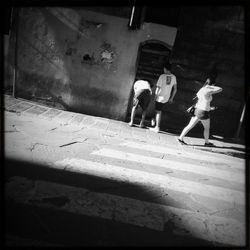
(140, 85)
(165, 83)
(205, 97)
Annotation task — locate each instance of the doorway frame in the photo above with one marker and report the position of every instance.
(141, 44)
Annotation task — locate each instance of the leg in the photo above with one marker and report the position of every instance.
(132, 115)
(146, 96)
(194, 120)
(153, 121)
(143, 118)
(158, 119)
(206, 125)
(158, 114)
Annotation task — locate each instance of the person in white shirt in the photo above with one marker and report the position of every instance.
(142, 97)
(166, 89)
(202, 110)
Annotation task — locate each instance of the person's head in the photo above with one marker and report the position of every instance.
(213, 73)
(210, 81)
(166, 67)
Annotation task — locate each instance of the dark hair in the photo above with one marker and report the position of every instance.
(212, 81)
(167, 65)
(213, 73)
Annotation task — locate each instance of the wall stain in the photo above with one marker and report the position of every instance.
(39, 88)
(70, 51)
(88, 59)
(88, 27)
(93, 101)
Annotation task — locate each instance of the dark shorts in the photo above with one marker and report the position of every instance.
(202, 114)
(159, 106)
(142, 99)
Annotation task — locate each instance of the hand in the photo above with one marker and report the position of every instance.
(170, 101)
(213, 108)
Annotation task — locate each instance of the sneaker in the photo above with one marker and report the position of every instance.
(209, 144)
(155, 129)
(181, 141)
(152, 122)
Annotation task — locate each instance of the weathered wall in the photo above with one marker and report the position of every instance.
(208, 36)
(82, 59)
(7, 84)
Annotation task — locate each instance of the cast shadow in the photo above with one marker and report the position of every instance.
(62, 228)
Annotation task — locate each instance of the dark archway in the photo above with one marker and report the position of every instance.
(152, 55)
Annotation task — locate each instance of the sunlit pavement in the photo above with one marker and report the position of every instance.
(77, 180)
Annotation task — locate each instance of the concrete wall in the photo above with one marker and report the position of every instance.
(82, 59)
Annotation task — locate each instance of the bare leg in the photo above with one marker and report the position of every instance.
(194, 120)
(206, 125)
(158, 122)
(132, 115)
(143, 118)
(158, 119)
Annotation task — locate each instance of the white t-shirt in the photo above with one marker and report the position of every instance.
(165, 82)
(204, 99)
(140, 85)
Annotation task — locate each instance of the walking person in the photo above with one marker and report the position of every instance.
(142, 98)
(202, 110)
(166, 89)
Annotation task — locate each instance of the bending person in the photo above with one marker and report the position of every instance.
(142, 97)
(202, 110)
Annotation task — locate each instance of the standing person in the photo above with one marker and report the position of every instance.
(142, 97)
(202, 110)
(165, 91)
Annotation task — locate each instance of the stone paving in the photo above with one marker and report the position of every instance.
(118, 128)
(145, 183)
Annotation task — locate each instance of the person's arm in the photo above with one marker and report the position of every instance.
(173, 90)
(158, 86)
(157, 90)
(173, 93)
(213, 89)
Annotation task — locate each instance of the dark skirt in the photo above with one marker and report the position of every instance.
(202, 114)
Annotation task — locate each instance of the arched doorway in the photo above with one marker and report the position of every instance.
(152, 55)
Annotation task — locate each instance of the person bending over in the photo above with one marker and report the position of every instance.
(142, 97)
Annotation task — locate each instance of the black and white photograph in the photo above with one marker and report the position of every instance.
(124, 124)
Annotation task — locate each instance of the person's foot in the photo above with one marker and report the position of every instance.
(155, 129)
(208, 144)
(152, 122)
(130, 124)
(181, 141)
(142, 126)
